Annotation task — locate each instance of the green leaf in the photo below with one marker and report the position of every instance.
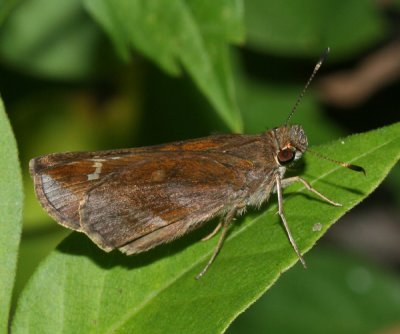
(35, 245)
(308, 27)
(192, 33)
(11, 197)
(88, 291)
(350, 295)
(54, 39)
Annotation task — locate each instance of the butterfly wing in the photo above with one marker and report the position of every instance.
(134, 199)
(159, 199)
(62, 179)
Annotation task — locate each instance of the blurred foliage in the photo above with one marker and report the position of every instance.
(5, 7)
(55, 39)
(307, 27)
(91, 75)
(192, 34)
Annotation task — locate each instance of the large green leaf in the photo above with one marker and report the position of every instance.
(11, 197)
(350, 295)
(192, 33)
(83, 290)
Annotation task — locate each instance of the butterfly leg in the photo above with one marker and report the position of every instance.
(285, 224)
(290, 180)
(214, 232)
(225, 226)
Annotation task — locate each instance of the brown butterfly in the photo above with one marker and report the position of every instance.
(135, 199)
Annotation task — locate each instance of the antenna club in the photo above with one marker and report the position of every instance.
(355, 168)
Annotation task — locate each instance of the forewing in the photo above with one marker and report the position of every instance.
(62, 179)
(161, 190)
(176, 185)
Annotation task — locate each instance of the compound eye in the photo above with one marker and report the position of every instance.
(286, 156)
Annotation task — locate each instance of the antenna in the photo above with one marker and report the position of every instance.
(343, 164)
(316, 68)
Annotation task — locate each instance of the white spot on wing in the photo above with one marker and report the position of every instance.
(96, 174)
